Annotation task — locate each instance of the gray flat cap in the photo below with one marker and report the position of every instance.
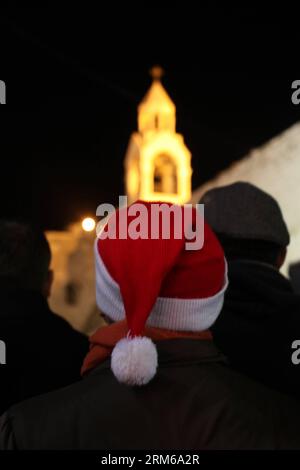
(241, 210)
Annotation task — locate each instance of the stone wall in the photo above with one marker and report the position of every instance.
(73, 292)
(275, 168)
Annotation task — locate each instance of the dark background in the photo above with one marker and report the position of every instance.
(75, 77)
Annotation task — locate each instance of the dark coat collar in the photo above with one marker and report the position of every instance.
(177, 352)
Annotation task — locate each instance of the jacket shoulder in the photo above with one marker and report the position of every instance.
(7, 438)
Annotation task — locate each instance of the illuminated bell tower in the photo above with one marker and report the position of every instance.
(157, 162)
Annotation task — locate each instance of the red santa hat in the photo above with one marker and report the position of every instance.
(156, 281)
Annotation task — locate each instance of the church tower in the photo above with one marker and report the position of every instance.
(157, 162)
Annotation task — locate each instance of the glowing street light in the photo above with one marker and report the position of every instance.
(88, 224)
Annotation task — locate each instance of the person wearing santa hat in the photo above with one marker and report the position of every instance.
(153, 378)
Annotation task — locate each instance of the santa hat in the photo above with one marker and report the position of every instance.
(158, 282)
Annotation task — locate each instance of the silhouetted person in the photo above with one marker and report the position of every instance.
(153, 378)
(42, 351)
(260, 318)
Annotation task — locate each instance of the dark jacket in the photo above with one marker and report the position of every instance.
(42, 351)
(194, 402)
(259, 321)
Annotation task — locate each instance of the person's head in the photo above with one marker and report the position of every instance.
(157, 281)
(248, 222)
(25, 256)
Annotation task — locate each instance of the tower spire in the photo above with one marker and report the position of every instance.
(157, 72)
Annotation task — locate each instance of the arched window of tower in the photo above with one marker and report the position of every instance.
(165, 175)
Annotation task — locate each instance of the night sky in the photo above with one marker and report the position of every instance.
(74, 79)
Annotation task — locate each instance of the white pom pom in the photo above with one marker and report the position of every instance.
(134, 360)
